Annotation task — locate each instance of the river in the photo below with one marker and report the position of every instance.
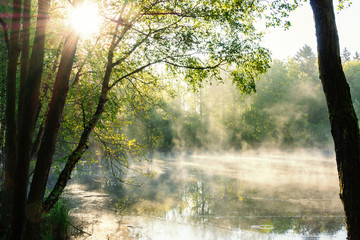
(253, 195)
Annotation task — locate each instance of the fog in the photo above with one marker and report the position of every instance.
(247, 195)
(301, 168)
(280, 194)
(218, 164)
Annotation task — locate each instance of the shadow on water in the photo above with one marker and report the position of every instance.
(232, 197)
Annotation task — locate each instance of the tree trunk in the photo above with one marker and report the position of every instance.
(343, 120)
(76, 155)
(48, 142)
(25, 49)
(26, 129)
(3, 76)
(36, 144)
(10, 114)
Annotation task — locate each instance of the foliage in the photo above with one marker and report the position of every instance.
(123, 72)
(346, 55)
(357, 56)
(167, 41)
(56, 225)
(287, 111)
(352, 72)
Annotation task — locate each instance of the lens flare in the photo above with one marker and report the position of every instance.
(85, 19)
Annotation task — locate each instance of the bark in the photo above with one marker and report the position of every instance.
(2, 142)
(76, 155)
(31, 96)
(2, 132)
(10, 138)
(3, 66)
(25, 49)
(48, 142)
(343, 120)
(36, 144)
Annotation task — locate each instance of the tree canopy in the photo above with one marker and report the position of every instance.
(71, 88)
(64, 89)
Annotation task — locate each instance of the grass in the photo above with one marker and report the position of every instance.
(56, 224)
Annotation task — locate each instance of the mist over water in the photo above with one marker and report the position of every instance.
(252, 195)
(272, 169)
(220, 175)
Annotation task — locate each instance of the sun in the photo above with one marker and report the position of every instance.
(85, 19)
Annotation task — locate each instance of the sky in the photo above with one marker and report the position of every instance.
(284, 44)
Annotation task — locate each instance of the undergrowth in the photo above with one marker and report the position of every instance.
(56, 224)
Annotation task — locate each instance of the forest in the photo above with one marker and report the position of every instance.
(128, 93)
(287, 111)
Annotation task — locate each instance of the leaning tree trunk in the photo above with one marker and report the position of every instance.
(343, 120)
(48, 142)
(76, 155)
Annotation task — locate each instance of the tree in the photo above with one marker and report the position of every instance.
(357, 56)
(306, 59)
(10, 115)
(343, 120)
(346, 55)
(4, 48)
(352, 73)
(184, 38)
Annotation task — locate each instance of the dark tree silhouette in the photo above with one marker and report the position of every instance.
(343, 120)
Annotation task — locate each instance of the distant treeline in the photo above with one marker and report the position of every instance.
(287, 111)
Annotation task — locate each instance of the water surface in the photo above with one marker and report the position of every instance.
(222, 196)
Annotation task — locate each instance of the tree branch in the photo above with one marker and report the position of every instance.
(164, 61)
(119, 61)
(193, 67)
(147, 35)
(78, 228)
(120, 21)
(136, 89)
(82, 146)
(160, 13)
(135, 71)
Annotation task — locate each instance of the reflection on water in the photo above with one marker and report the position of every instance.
(148, 228)
(234, 197)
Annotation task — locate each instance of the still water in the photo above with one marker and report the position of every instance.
(237, 196)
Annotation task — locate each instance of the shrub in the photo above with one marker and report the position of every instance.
(55, 225)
